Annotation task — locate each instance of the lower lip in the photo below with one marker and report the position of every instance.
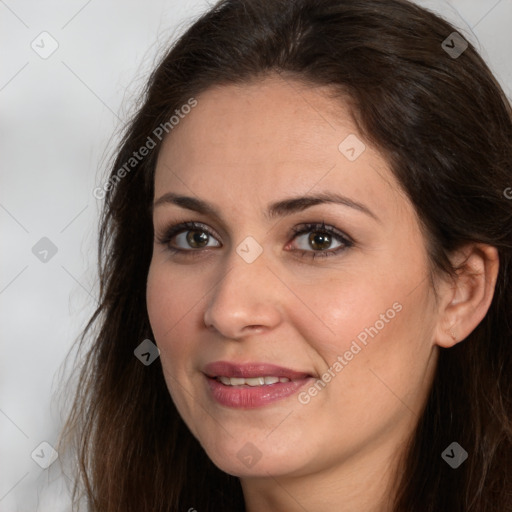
(247, 397)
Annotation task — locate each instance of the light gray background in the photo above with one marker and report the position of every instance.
(60, 119)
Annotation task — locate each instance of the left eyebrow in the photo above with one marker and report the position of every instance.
(276, 209)
(297, 204)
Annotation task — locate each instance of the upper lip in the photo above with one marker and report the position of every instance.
(251, 370)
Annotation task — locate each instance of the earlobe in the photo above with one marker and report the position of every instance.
(454, 337)
(466, 301)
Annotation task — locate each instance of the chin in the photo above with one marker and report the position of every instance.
(248, 460)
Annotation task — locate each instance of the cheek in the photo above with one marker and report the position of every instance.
(169, 300)
(340, 311)
(381, 301)
(171, 303)
(382, 358)
(373, 323)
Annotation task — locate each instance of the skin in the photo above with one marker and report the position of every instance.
(242, 148)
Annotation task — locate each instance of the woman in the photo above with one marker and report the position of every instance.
(307, 217)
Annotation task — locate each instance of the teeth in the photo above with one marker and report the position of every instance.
(253, 381)
(256, 381)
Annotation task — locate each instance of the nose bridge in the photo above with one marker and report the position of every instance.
(245, 295)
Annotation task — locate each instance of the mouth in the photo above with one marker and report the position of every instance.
(252, 385)
(250, 371)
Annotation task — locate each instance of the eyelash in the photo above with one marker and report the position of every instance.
(302, 229)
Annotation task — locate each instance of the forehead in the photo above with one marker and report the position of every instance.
(261, 141)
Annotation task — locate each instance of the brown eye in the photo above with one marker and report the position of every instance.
(319, 241)
(197, 238)
(188, 237)
(191, 239)
(313, 240)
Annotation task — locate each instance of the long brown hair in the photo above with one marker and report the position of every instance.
(444, 125)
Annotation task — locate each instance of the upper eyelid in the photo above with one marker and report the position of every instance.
(176, 228)
(192, 224)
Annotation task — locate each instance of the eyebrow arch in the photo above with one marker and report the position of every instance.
(277, 209)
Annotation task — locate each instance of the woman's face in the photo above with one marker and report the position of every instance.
(335, 290)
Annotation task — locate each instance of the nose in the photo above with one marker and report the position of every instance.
(247, 299)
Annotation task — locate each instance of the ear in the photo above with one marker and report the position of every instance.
(465, 300)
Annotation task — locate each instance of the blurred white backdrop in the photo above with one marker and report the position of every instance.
(70, 74)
